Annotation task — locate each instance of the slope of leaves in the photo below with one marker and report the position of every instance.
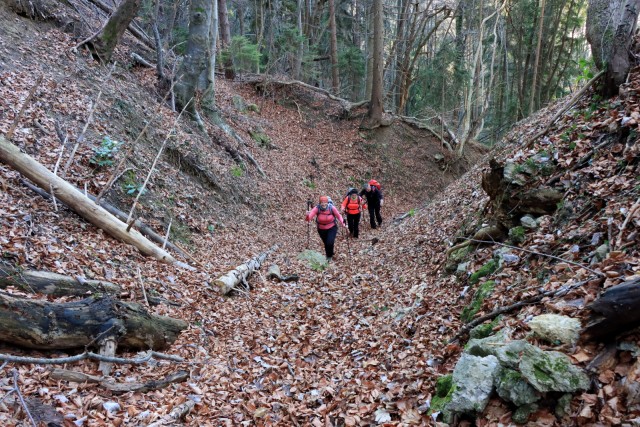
(358, 343)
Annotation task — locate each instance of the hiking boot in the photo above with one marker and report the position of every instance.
(329, 259)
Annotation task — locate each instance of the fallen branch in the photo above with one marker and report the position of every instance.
(110, 384)
(89, 355)
(16, 390)
(597, 273)
(176, 414)
(26, 102)
(241, 273)
(630, 215)
(568, 105)
(490, 316)
(67, 193)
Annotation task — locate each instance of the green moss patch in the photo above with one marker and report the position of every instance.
(484, 271)
(444, 392)
(481, 294)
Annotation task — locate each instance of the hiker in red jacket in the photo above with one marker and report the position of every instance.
(352, 205)
(328, 219)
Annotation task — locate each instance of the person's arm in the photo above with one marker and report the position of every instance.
(337, 214)
(311, 214)
(343, 206)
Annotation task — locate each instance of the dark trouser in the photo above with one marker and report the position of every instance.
(353, 220)
(328, 238)
(374, 213)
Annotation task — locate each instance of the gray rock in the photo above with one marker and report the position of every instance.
(551, 371)
(473, 378)
(554, 328)
(521, 415)
(462, 268)
(529, 222)
(488, 346)
(509, 353)
(563, 407)
(602, 251)
(511, 386)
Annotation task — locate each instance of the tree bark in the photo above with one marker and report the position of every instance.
(376, 105)
(118, 388)
(335, 77)
(536, 63)
(225, 38)
(614, 312)
(610, 28)
(47, 283)
(241, 273)
(26, 165)
(105, 41)
(49, 326)
(196, 59)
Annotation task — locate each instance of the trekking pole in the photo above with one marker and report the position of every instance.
(348, 239)
(308, 223)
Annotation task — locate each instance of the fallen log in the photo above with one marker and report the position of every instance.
(98, 216)
(241, 273)
(141, 226)
(49, 326)
(614, 312)
(118, 388)
(274, 273)
(47, 283)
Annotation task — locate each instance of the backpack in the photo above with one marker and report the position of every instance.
(348, 196)
(330, 207)
(376, 184)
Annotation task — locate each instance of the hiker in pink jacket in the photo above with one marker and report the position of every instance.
(328, 219)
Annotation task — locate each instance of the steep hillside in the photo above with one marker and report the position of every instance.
(365, 339)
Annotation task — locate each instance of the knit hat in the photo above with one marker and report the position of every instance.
(324, 199)
(352, 191)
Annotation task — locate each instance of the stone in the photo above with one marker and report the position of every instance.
(473, 379)
(521, 415)
(486, 346)
(511, 386)
(529, 222)
(551, 371)
(555, 328)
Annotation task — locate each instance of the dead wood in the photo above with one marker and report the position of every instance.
(614, 312)
(529, 143)
(176, 414)
(509, 308)
(241, 273)
(50, 326)
(47, 283)
(89, 355)
(98, 216)
(274, 273)
(119, 388)
(347, 106)
(136, 32)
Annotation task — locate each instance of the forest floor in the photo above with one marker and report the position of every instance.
(358, 342)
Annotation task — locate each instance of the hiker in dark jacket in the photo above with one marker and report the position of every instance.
(352, 205)
(374, 202)
(328, 219)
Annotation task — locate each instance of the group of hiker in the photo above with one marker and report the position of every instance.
(328, 218)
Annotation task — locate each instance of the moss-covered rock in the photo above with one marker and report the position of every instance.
(484, 330)
(484, 290)
(551, 371)
(521, 415)
(517, 234)
(473, 379)
(314, 259)
(455, 258)
(444, 391)
(484, 271)
(254, 108)
(512, 387)
(239, 102)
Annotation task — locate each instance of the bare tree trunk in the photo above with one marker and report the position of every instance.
(196, 59)
(376, 105)
(105, 41)
(610, 27)
(297, 61)
(536, 63)
(335, 78)
(209, 97)
(369, 52)
(225, 38)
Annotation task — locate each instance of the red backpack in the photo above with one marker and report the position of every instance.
(376, 184)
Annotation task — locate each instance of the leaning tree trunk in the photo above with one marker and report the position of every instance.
(196, 59)
(610, 28)
(105, 41)
(49, 326)
(45, 179)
